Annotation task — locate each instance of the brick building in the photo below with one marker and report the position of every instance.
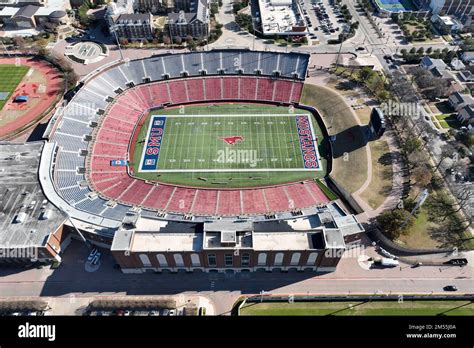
(226, 247)
(134, 26)
(191, 20)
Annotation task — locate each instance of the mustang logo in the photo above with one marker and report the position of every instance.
(232, 140)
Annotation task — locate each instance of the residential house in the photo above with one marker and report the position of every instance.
(429, 63)
(466, 115)
(466, 76)
(458, 100)
(468, 57)
(457, 64)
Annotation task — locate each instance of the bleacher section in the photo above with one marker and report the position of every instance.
(102, 116)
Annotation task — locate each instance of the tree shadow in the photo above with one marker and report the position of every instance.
(454, 308)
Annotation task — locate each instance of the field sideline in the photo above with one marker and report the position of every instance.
(195, 137)
(11, 76)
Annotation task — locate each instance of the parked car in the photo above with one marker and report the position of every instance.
(450, 288)
(459, 262)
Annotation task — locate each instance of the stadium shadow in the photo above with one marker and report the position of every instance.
(349, 140)
(37, 133)
(71, 278)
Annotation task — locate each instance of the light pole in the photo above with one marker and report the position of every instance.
(118, 44)
(171, 38)
(343, 35)
(4, 47)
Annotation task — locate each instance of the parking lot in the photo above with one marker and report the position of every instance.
(324, 21)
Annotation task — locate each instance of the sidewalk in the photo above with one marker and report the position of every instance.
(76, 304)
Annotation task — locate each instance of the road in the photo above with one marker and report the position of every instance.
(351, 277)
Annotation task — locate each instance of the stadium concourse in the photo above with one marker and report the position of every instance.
(97, 126)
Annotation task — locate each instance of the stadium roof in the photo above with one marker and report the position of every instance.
(26, 217)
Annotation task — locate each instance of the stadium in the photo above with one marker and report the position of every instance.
(197, 161)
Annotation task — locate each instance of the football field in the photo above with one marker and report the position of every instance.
(10, 77)
(233, 145)
(229, 143)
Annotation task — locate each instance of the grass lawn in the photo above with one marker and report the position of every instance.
(419, 236)
(350, 156)
(327, 191)
(192, 146)
(364, 113)
(381, 184)
(380, 308)
(10, 76)
(431, 232)
(448, 121)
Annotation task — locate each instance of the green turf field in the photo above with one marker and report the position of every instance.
(10, 76)
(359, 308)
(194, 149)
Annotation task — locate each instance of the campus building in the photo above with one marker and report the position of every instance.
(153, 6)
(191, 20)
(32, 16)
(280, 18)
(134, 26)
(447, 7)
(226, 246)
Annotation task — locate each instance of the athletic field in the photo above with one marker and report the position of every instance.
(396, 5)
(430, 308)
(230, 145)
(11, 76)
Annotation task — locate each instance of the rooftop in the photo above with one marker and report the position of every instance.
(26, 217)
(199, 11)
(283, 240)
(217, 226)
(280, 17)
(432, 63)
(348, 225)
(333, 238)
(462, 98)
(226, 239)
(163, 241)
(134, 18)
(27, 11)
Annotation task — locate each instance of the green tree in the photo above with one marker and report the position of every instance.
(365, 74)
(395, 222)
(411, 145)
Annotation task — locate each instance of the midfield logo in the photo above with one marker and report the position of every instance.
(232, 140)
